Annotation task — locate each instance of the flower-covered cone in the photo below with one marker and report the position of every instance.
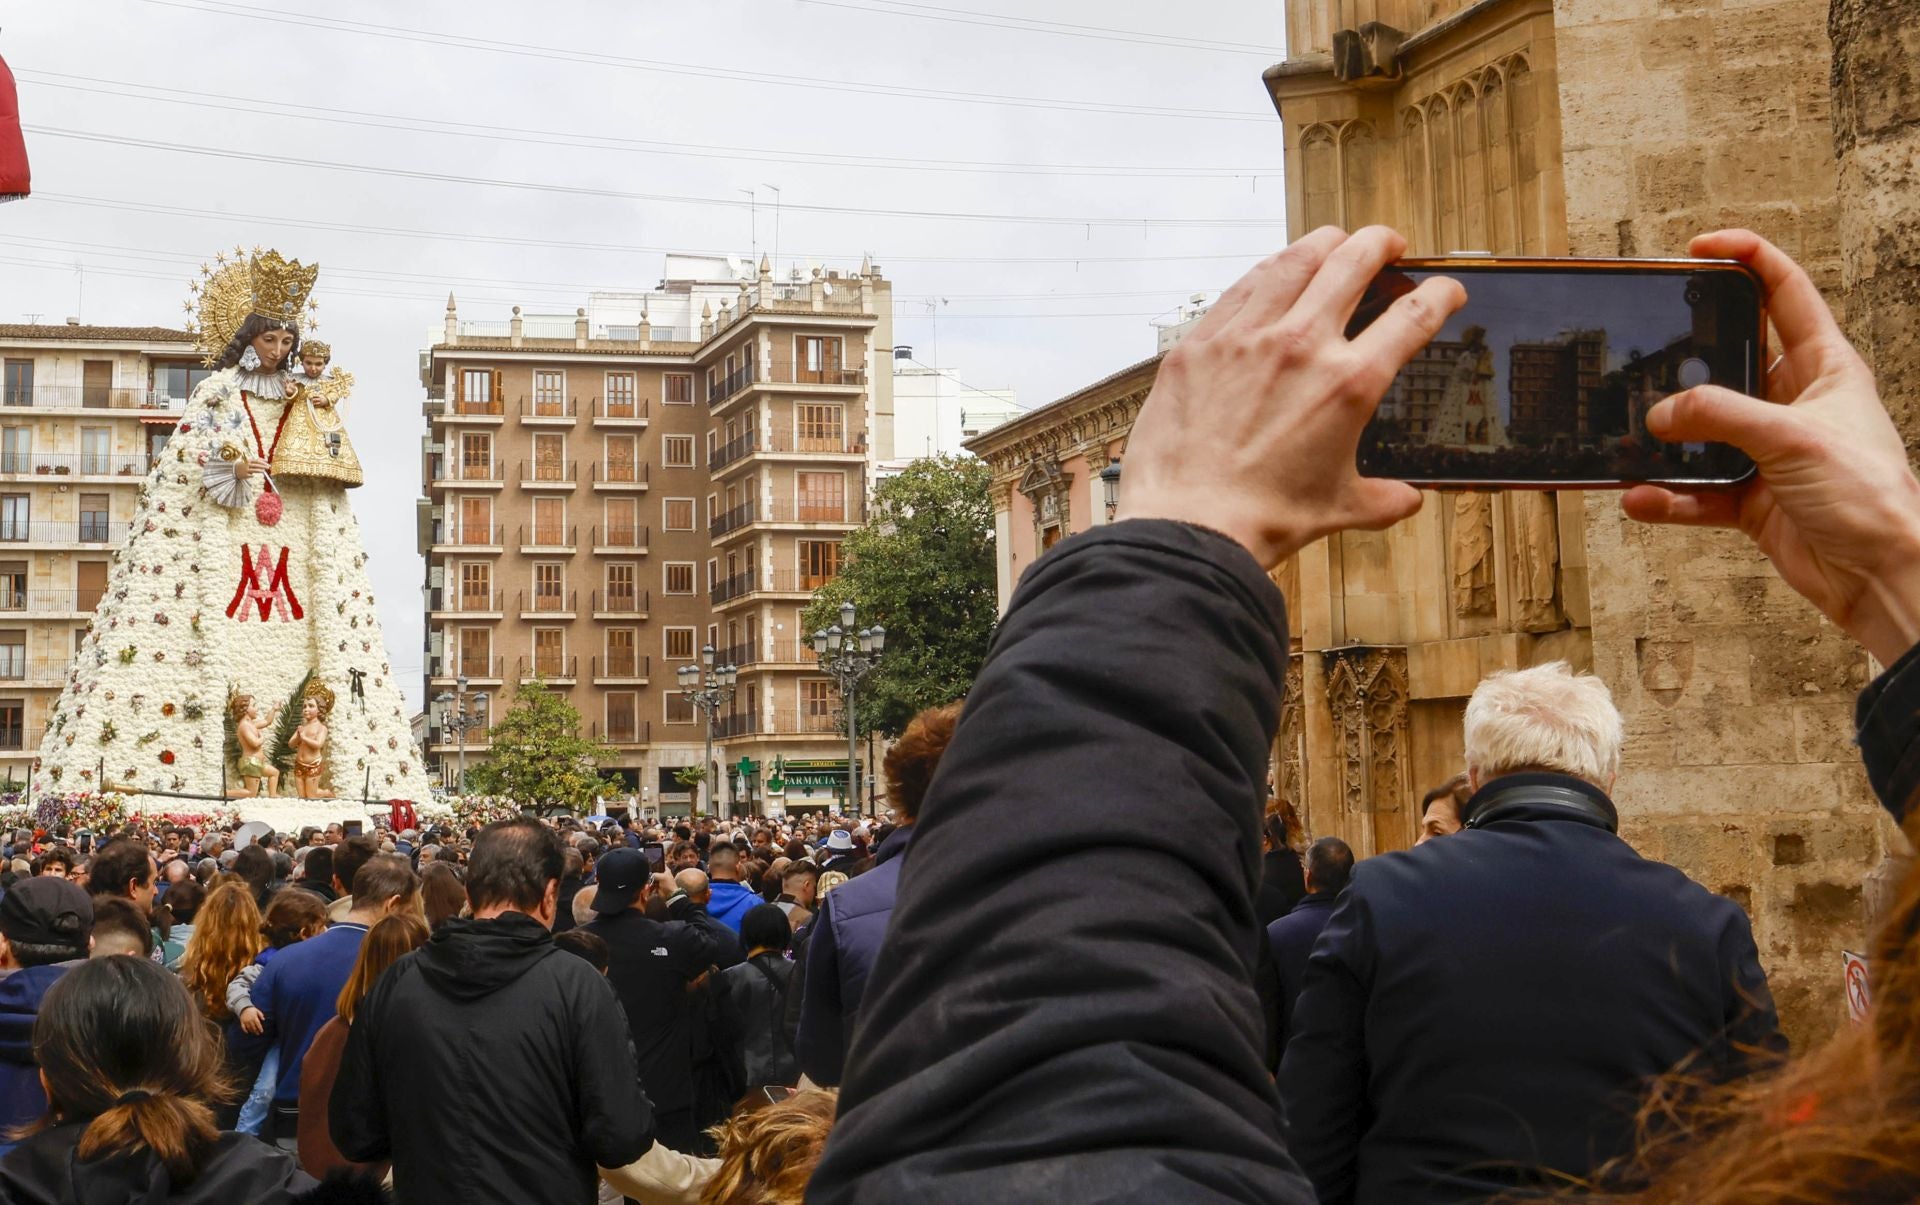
(205, 600)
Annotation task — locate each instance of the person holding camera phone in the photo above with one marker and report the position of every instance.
(1091, 1021)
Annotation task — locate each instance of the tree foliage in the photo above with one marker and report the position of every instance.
(923, 567)
(539, 757)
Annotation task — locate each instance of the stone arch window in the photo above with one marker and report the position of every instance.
(1502, 232)
(1414, 178)
(1339, 179)
(1320, 175)
(1470, 159)
(1443, 174)
(1524, 105)
(1049, 488)
(1470, 146)
(1359, 174)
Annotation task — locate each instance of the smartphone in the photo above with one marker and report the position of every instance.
(352, 828)
(1543, 379)
(656, 854)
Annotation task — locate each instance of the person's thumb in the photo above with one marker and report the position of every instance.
(1377, 503)
(1713, 413)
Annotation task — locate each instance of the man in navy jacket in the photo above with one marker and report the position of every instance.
(1063, 1008)
(1329, 867)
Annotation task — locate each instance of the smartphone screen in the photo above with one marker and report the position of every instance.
(656, 854)
(1545, 376)
(352, 828)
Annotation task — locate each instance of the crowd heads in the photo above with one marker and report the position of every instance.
(1543, 718)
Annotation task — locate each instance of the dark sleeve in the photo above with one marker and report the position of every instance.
(615, 1116)
(796, 988)
(1065, 993)
(357, 1110)
(1888, 720)
(261, 994)
(1753, 1038)
(692, 945)
(1323, 1072)
(817, 1040)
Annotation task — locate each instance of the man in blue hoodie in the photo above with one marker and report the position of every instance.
(732, 899)
(46, 928)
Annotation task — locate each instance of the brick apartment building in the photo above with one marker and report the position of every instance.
(83, 410)
(610, 493)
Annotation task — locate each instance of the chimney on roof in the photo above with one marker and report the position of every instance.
(452, 335)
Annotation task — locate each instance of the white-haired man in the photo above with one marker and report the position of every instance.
(1480, 1014)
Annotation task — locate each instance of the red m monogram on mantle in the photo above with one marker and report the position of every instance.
(249, 591)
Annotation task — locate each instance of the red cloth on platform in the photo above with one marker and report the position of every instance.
(13, 145)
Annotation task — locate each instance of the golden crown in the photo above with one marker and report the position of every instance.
(321, 694)
(264, 283)
(315, 347)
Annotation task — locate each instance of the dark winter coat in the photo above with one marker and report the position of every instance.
(43, 1170)
(1063, 1008)
(846, 942)
(491, 1067)
(756, 1000)
(1496, 1002)
(1292, 937)
(650, 963)
(1282, 885)
(21, 1099)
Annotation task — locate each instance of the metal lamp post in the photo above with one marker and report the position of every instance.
(709, 688)
(454, 715)
(848, 656)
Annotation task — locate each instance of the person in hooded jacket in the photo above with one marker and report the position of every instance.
(46, 928)
(852, 920)
(131, 1070)
(492, 1044)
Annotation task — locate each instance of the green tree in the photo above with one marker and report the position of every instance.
(539, 757)
(923, 567)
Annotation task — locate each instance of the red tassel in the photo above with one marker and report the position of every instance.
(267, 508)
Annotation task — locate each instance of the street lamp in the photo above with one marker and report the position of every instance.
(709, 688)
(1110, 481)
(454, 715)
(848, 656)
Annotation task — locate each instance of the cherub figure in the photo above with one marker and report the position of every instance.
(254, 767)
(310, 741)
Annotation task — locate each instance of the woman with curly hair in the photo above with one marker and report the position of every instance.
(768, 1148)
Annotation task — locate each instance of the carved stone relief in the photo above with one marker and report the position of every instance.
(1470, 556)
(1533, 527)
(1367, 694)
(1291, 778)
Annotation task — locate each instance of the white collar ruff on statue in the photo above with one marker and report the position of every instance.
(268, 385)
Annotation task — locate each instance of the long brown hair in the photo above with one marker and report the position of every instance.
(294, 915)
(392, 937)
(1841, 1123)
(767, 1155)
(226, 938)
(443, 892)
(123, 1047)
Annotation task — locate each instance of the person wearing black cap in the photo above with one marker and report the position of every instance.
(650, 964)
(46, 929)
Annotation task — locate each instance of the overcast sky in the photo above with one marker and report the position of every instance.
(163, 130)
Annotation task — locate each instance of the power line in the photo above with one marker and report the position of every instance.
(229, 218)
(180, 148)
(224, 8)
(690, 150)
(932, 12)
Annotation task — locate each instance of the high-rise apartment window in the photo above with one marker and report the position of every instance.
(550, 522)
(13, 724)
(622, 652)
(176, 382)
(620, 395)
(678, 709)
(476, 385)
(679, 577)
(14, 512)
(96, 444)
(93, 518)
(549, 457)
(549, 651)
(476, 586)
(679, 644)
(676, 389)
(476, 456)
(16, 386)
(549, 392)
(549, 581)
(476, 521)
(622, 716)
(822, 497)
(821, 428)
(817, 704)
(622, 594)
(819, 562)
(476, 653)
(623, 523)
(13, 585)
(676, 451)
(623, 454)
(817, 358)
(677, 514)
(89, 583)
(16, 450)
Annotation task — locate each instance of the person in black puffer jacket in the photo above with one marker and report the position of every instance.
(131, 1072)
(754, 1002)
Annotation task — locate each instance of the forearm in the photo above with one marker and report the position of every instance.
(1035, 973)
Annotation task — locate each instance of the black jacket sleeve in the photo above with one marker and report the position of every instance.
(357, 1110)
(818, 1041)
(616, 1116)
(1888, 719)
(1323, 1071)
(1064, 1003)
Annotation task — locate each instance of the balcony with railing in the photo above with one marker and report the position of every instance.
(478, 670)
(87, 532)
(548, 604)
(459, 474)
(755, 653)
(842, 512)
(554, 670)
(618, 476)
(543, 410)
(721, 389)
(549, 474)
(736, 724)
(470, 539)
(89, 397)
(783, 444)
(544, 539)
(620, 412)
(784, 722)
(620, 735)
(473, 605)
(622, 604)
(621, 669)
(766, 581)
(72, 464)
(485, 412)
(733, 519)
(50, 604)
(621, 540)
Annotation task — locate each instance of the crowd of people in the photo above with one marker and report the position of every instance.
(1077, 960)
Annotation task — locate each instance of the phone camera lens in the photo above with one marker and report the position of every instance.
(1693, 294)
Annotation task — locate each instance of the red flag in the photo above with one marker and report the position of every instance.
(13, 145)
